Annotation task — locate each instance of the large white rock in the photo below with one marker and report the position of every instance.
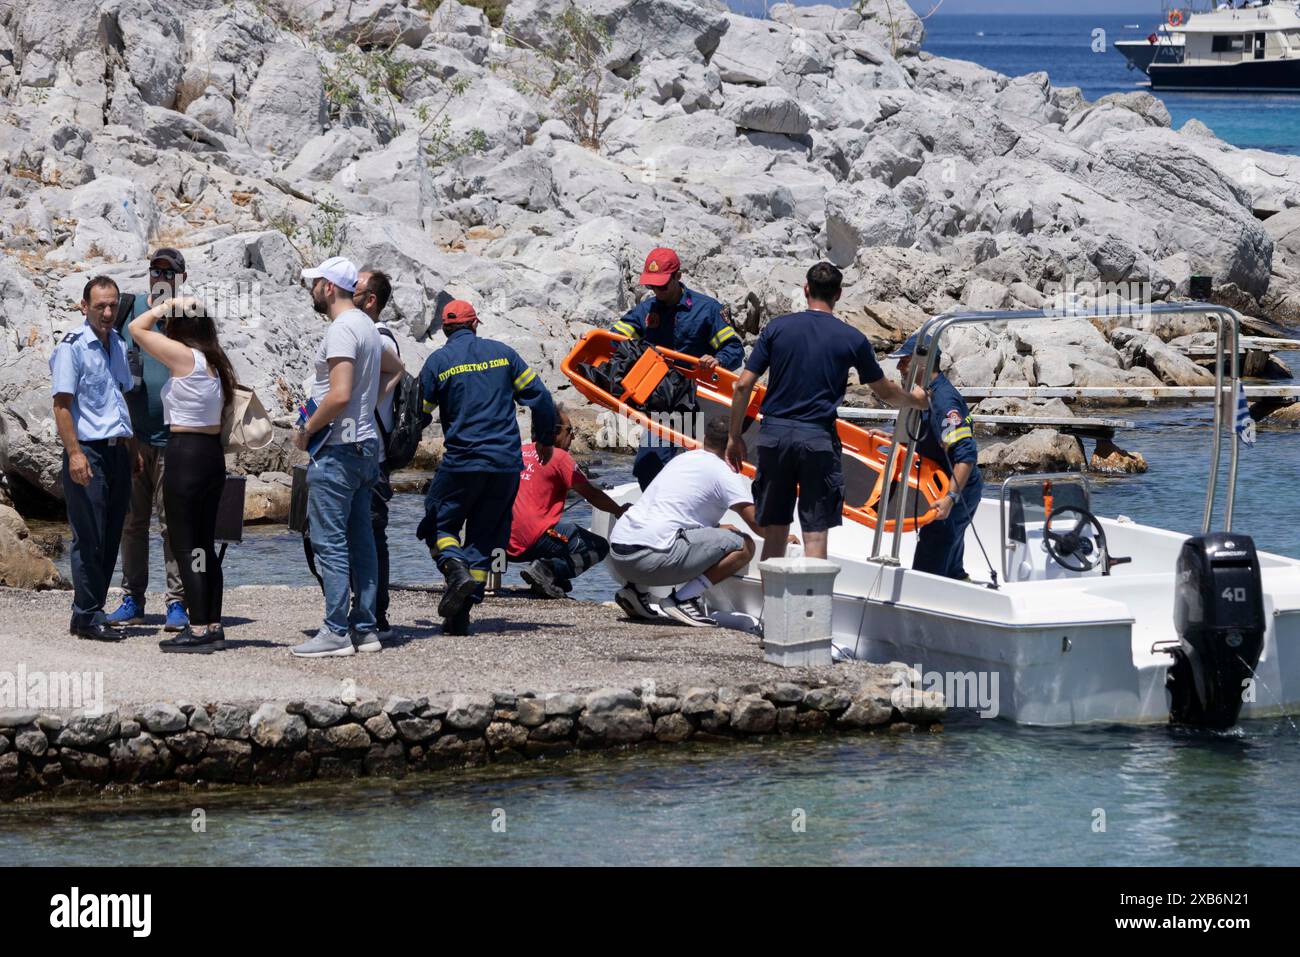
(639, 30)
(370, 22)
(214, 111)
(752, 51)
(769, 110)
(820, 16)
(321, 157)
(894, 23)
(286, 105)
(864, 215)
(151, 38)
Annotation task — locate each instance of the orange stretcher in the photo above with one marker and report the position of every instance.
(866, 451)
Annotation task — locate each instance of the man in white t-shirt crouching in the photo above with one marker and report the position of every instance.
(671, 535)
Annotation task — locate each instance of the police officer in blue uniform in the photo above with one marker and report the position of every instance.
(680, 319)
(90, 375)
(475, 383)
(946, 439)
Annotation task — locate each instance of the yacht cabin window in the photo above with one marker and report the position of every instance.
(1233, 43)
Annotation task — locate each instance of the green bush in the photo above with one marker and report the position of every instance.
(495, 9)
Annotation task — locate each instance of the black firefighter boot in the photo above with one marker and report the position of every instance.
(459, 624)
(458, 590)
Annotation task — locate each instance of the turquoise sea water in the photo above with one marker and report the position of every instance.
(979, 794)
(1063, 46)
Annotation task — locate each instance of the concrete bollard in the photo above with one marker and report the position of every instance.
(797, 596)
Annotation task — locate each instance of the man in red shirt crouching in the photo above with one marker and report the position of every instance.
(558, 551)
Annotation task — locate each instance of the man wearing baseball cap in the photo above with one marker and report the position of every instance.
(947, 440)
(345, 466)
(474, 383)
(683, 320)
(144, 401)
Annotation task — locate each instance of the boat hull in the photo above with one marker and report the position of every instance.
(1138, 53)
(1251, 76)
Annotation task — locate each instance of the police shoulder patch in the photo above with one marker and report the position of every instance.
(71, 336)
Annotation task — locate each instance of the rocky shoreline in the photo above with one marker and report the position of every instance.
(165, 746)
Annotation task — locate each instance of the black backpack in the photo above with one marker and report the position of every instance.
(409, 419)
(675, 393)
(125, 306)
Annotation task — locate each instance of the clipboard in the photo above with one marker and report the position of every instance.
(318, 440)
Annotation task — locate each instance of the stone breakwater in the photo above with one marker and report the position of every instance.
(167, 746)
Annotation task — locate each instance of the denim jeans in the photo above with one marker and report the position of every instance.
(380, 496)
(338, 509)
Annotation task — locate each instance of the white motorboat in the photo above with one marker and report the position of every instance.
(1089, 620)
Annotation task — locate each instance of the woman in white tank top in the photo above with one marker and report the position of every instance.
(194, 466)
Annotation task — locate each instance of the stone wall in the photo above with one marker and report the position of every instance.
(166, 746)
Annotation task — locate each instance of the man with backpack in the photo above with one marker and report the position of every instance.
(144, 400)
(374, 289)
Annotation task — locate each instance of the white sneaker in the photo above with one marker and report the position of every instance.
(366, 642)
(689, 611)
(324, 644)
(635, 603)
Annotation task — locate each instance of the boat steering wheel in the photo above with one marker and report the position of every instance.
(1083, 547)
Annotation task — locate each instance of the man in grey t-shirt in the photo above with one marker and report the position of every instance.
(353, 337)
(345, 467)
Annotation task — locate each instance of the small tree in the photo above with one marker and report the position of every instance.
(574, 53)
(860, 7)
(438, 143)
(321, 237)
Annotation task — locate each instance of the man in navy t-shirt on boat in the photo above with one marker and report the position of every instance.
(807, 356)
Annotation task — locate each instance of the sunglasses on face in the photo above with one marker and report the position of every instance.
(163, 273)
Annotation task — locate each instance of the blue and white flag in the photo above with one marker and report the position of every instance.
(1245, 425)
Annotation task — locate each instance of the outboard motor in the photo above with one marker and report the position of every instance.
(1219, 614)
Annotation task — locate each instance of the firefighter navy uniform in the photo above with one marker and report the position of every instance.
(474, 383)
(696, 327)
(946, 439)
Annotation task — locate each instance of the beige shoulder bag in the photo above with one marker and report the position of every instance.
(246, 426)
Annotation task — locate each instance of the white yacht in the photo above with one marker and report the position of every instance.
(1253, 47)
(1087, 619)
(1140, 53)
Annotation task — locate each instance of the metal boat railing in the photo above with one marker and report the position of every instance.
(1228, 324)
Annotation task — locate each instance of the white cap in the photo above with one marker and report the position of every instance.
(338, 270)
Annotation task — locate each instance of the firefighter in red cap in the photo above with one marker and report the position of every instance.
(683, 320)
(474, 383)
